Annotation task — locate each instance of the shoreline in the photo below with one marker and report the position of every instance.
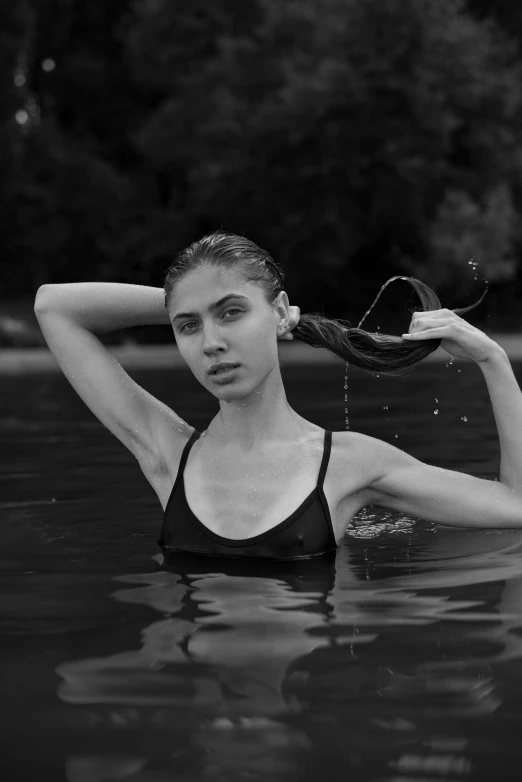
(135, 356)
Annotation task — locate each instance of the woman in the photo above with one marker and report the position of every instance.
(262, 481)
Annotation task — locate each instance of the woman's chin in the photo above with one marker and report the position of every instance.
(232, 392)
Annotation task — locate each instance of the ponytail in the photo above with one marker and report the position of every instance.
(383, 353)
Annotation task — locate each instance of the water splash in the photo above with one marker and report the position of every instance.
(370, 523)
(346, 418)
(392, 279)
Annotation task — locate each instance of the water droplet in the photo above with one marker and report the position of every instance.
(385, 407)
(396, 436)
(435, 412)
(436, 400)
(463, 418)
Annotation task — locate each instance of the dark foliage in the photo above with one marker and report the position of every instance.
(354, 139)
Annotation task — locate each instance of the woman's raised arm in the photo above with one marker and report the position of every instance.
(70, 315)
(402, 483)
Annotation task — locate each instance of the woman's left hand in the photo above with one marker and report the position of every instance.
(293, 320)
(459, 338)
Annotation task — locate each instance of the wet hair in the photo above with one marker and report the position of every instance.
(382, 353)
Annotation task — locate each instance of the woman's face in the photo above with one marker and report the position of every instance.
(219, 318)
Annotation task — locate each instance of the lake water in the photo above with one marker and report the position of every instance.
(400, 660)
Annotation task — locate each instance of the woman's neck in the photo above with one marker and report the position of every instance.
(261, 418)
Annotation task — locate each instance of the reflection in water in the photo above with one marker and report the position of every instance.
(221, 650)
(227, 635)
(263, 667)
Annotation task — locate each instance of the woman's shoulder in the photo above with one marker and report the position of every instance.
(349, 440)
(360, 452)
(347, 444)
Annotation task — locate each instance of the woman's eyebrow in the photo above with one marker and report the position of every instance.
(212, 307)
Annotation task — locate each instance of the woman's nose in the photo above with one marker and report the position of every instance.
(212, 339)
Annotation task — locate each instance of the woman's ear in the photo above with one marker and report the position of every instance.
(282, 309)
(288, 316)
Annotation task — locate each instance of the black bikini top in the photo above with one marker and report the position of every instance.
(307, 532)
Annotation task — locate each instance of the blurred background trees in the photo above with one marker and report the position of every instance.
(354, 139)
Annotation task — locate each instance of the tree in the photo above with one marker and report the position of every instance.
(355, 139)
(333, 130)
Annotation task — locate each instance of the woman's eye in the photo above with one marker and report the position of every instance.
(192, 324)
(185, 326)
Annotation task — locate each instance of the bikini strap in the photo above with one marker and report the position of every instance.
(184, 456)
(326, 457)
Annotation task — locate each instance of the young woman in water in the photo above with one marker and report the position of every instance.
(262, 481)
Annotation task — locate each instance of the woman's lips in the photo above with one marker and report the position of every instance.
(221, 366)
(225, 375)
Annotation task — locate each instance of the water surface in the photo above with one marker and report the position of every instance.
(398, 660)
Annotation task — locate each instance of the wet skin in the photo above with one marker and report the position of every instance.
(258, 459)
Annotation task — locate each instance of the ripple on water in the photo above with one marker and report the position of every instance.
(371, 522)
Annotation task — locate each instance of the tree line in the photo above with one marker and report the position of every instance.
(354, 139)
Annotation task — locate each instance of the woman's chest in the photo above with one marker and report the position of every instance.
(241, 500)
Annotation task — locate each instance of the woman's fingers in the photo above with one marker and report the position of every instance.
(457, 336)
(433, 313)
(429, 333)
(430, 323)
(434, 319)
